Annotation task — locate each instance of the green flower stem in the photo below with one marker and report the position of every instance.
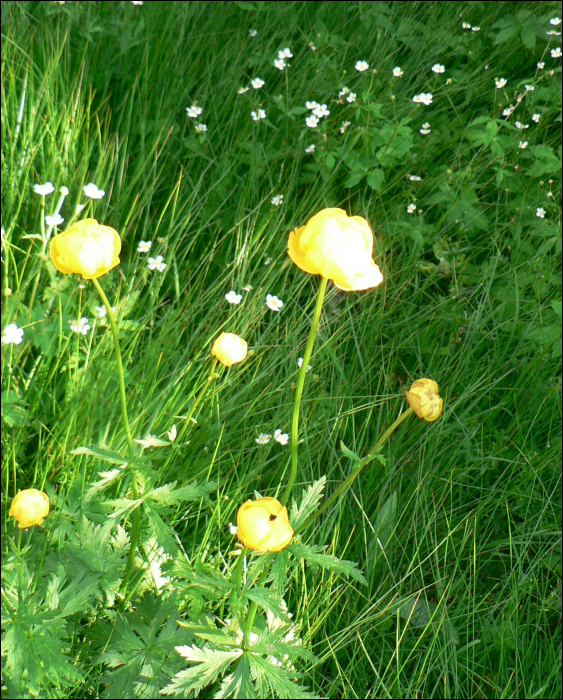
(136, 515)
(252, 611)
(375, 449)
(202, 393)
(20, 572)
(299, 389)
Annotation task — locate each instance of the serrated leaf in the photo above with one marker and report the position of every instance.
(268, 601)
(210, 664)
(100, 453)
(308, 503)
(239, 684)
(107, 478)
(313, 555)
(151, 441)
(280, 680)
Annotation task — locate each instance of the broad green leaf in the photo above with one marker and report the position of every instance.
(100, 453)
(313, 555)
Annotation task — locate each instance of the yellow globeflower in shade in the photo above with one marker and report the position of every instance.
(424, 399)
(29, 507)
(86, 248)
(338, 247)
(229, 349)
(263, 525)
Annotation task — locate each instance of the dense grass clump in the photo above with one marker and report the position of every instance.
(438, 572)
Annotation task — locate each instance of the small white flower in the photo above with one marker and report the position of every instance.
(411, 208)
(312, 121)
(345, 91)
(12, 335)
(172, 433)
(282, 438)
(253, 32)
(257, 83)
(79, 208)
(438, 68)
(64, 191)
(475, 29)
(310, 149)
(425, 128)
(248, 288)
(233, 298)
(137, 2)
(425, 98)
(285, 53)
(529, 88)
(519, 125)
(200, 128)
(541, 65)
(540, 212)
(312, 105)
(555, 21)
(258, 115)
(44, 190)
(312, 46)
(80, 326)
(273, 303)
(321, 111)
(344, 126)
(361, 66)
(465, 25)
(54, 220)
(156, 263)
(279, 63)
(414, 178)
(91, 190)
(556, 53)
(242, 90)
(194, 111)
(300, 364)
(553, 33)
(263, 439)
(233, 529)
(102, 312)
(507, 111)
(397, 72)
(144, 246)
(500, 83)
(523, 144)
(536, 117)
(351, 97)
(277, 200)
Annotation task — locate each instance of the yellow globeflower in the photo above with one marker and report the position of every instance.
(263, 525)
(86, 248)
(424, 399)
(29, 507)
(229, 349)
(338, 247)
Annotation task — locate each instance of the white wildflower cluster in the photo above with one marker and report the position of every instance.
(438, 68)
(346, 95)
(300, 364)
(256, 116)
(91, 190)
(344, 126)
(273, 302)
(283, 56)
(80, 326)
(277, 200)
(411, 208)
(12, 335)
(425, 129)
(193, 113)
(424, 98)
(157, 264)
(318, 111)
(233, 298)
(310, 149)
(264, 438)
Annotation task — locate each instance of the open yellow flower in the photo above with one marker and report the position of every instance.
(263, 525)
(86, 248)
(29, 507)
(338, 247)
(424, 399)
(229, 349)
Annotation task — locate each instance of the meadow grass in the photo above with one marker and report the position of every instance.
(459, 536)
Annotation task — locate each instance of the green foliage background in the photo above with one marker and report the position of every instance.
(459, 536)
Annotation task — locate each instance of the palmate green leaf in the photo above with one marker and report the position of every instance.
(107, 479)
(308, 503)
(210, 663)
(313, 555)
(168, 494)
(239, 683)
(281, 682)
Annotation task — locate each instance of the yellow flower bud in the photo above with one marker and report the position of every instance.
(86, 248)
(229, 349)
(263, 525)
(338, 247)
(29, 507)
(424, 399)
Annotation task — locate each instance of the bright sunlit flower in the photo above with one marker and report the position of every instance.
(310, 149)
(438, 68)
(523, 144)
(351, 97)
(507, 111)
(144, 246)
(312, 121)
(263, 439)
(300, 364)
(80, 326)
(257, 83)
(465, 25)
(338, 247)
(86, 248)
(44, 190)
(64, 191)
(285, 53)
(273, 303)
(541, 65)
(157, 264)
(424, 98)
(414, 178)
(253, 32)
(29, 507)
(397, 72)
(519, 125)
(137, 2)
(321, 111)
(344, 126)
(233, 298)
(229, 349)
(55, 220)
(475, 29)
(555, 21)
(425, 128)
(277, 200)
(425, 400)
(540, 213)
(536, 117)
(411, 208)
(282, 438)
(194, 111)
(280, 64)
(91, 190)
(242, 90)
(345, 91)
(12, 335)
(529, 88)
(260, 114)
(361, 66)
(500, 82)
(556, 53)
(200, 128)
(263, 525)
(312, 104)
(102, 312)
(312, 46)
